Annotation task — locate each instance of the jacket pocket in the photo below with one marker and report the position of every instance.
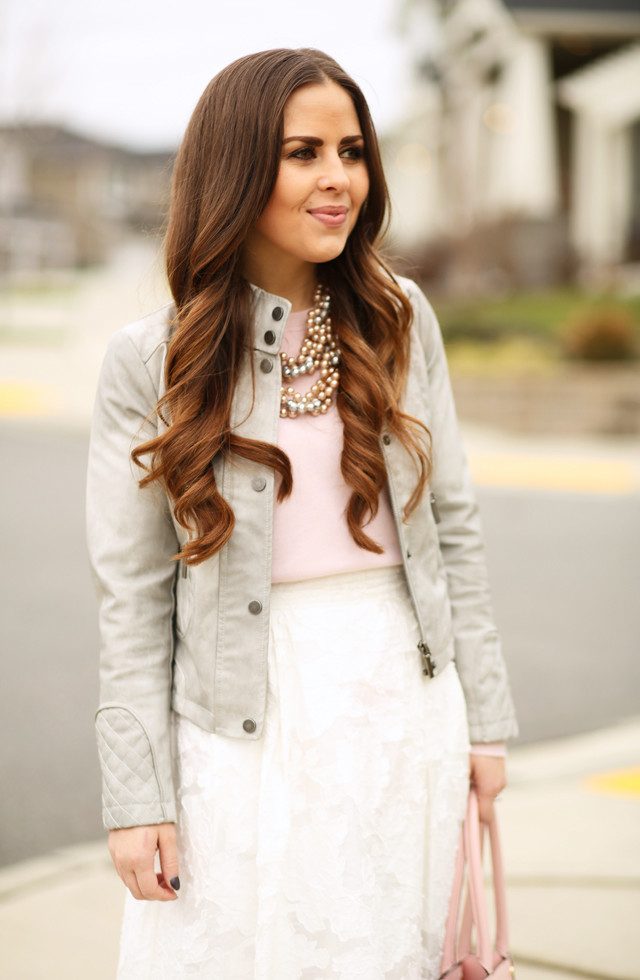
(184, 598)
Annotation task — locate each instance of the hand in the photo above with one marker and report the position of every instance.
(488, 777)
(132, 851)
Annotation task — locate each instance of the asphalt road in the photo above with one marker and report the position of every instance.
(565, 570)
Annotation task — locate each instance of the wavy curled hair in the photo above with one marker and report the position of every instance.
(224, 175)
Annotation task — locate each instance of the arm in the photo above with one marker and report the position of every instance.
(478, 651)
(131, 541)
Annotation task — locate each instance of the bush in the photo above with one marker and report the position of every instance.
(600, 334)
(467, 326)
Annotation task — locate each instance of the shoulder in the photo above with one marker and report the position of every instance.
(143, 338)
(409, 287)
(135, 355)
(417, 298)
(424, 318)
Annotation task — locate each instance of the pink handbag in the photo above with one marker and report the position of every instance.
(489, 959)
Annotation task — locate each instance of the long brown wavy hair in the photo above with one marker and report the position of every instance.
(224, 175)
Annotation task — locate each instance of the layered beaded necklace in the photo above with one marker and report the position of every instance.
(318, 352)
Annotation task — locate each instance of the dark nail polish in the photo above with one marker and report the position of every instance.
(175, 883)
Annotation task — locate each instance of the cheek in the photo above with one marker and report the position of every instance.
(274, 215)
(363, 188)
(292, 189)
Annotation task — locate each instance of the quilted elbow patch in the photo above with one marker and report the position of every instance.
(129, 782)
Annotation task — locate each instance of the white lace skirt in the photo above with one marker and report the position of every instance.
(324, 850)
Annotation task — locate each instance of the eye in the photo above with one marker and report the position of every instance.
(304, 153)
(355, 152)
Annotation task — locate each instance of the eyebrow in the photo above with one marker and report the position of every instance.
(315, 141)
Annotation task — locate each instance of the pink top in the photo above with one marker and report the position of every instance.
(310, 533)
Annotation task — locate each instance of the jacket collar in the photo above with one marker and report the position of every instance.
(270, 317)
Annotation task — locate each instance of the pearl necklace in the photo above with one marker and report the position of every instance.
(318, 352)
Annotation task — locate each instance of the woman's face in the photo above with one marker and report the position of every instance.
(322, 183)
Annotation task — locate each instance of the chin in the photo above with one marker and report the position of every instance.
(328, 253)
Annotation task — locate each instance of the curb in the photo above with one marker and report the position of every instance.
(35, 874)
(574, 756)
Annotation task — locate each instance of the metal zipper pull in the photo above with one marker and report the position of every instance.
(434, 508)
(428, 666)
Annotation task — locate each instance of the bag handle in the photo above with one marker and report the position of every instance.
(449, 949)
(475, 911)
(499, 890)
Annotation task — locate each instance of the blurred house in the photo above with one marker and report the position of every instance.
(518, 160)
(65, 199)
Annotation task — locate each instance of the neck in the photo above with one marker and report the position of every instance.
(295, 282)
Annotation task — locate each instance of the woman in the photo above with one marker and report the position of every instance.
(288, 560)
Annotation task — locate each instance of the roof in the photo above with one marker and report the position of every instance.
(52, 140)
(607, 89)
(577, 6)
(596, 17)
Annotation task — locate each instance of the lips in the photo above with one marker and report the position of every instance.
(330, 215)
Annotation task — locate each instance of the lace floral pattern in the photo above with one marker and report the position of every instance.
(324, 850)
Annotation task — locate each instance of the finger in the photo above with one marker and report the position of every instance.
(489, 788)
(166, 886)
(126, 875)
(168, 850)
(488, 775)
(152, 888)
(485, 808)
(131, 883)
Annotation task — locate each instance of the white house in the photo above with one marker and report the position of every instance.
(66, 198)
(519, 156)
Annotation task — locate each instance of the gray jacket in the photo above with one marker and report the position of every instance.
(195, 639)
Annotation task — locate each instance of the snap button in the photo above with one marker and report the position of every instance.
(277, 313)
(249, 725)
(258, 483)
(386, 438)
(269, 337)
(255, 607)
(266, 366)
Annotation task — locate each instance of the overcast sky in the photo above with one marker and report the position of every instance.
(132, 70)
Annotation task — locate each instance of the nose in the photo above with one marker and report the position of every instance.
(334, 175)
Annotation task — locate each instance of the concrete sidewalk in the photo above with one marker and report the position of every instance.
(571, 835)
(580, 464)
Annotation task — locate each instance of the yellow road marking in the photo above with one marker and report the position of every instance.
(546, 472)
(621, 782)
(19, 399)
(495, 469)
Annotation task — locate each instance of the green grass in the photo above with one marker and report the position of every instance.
(542, 316)
(517, 356)
(38, 292)
(33, 335)
(521, 335)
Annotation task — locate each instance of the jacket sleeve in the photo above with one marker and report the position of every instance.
(131, 540)
(478, 651)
